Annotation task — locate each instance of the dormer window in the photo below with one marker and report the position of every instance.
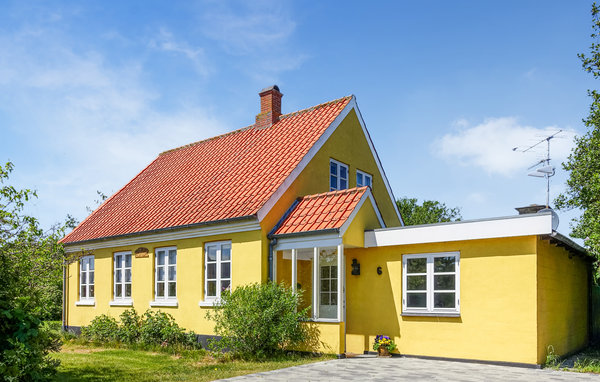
(338, 175)
(363, 179)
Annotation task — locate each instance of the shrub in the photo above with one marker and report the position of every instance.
(151, 329)
(25, 345)
(160, 328)
(129, 330)
(259, 320)
(103, 328)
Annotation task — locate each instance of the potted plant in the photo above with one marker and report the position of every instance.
(384, 345)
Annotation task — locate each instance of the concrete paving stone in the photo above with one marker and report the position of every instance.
(369, 368)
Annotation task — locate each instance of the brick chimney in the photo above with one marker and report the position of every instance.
(270, 107)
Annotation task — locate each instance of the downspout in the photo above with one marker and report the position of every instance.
(272, 244)
(64, 296)
(591, 324)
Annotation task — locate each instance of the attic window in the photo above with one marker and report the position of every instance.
(363, 179)
(338, 175)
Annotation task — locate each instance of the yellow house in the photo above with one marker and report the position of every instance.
(302, 198)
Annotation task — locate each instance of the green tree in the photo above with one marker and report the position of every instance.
(30, 288)
(583, 164)
(429, 212)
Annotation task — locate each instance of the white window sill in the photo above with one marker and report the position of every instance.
(431, 314)
(163, 303)
(121, 303)
(85, 303)
(209, 302)
(329, 320)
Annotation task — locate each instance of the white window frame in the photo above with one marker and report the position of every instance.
(122, 300)
(87, 300)
(316, 277)
(339, 164)
(211, 300)
(364, 176)
(166, 299)
(430, 309)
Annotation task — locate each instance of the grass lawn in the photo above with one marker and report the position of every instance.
(88, 363)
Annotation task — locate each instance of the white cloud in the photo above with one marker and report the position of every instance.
(165, 41)
(245, 26)
(78, 123)
(257, 33)
(489, 145)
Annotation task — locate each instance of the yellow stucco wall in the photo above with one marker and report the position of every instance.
(498, 315)
(349, 146)
(325, 337)
(246, 268)
(562, 300)
(365, 219)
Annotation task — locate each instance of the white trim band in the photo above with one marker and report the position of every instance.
(184, 233)
(520, 225)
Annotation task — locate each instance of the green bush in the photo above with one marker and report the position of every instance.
(153, 328)
(129, 330)
(103, 328)
(25, 345)
(259, 320)
(160, 328)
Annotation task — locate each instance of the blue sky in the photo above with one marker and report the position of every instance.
(91, 92)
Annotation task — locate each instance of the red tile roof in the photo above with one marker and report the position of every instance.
(322, 211)
(225, 177)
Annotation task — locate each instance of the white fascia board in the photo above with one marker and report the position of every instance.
(264, 210)
(366, 196)
(185, 233)
(376, 156)
(524, 225)
(308, 241)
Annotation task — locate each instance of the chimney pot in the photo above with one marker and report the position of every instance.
(530, 209)
(270, 107)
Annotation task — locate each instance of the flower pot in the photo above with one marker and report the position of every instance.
(383, 352)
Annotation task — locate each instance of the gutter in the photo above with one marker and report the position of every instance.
(567, 242)
(306, 233)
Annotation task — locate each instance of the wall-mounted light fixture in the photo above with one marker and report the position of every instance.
(355, 267)
(379, 271)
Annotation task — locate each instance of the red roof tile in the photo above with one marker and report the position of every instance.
(322, 211)
(225, 177)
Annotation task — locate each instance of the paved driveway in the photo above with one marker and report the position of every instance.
(411, 369)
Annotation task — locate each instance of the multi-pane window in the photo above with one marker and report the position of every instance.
(338, 175)
(166, 273)
(86, 278)
(316, 274)
(328, 280)
(122, 276)
(363, 179)
(217, 270)
(431, 283)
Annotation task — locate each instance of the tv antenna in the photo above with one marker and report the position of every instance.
(547, 170)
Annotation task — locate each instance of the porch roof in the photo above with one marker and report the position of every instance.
(330, 211)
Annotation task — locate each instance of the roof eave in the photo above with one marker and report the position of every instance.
(565, 242)
(162, 230)
(304, 233)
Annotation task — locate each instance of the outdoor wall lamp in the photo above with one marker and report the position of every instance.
(355, 267)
